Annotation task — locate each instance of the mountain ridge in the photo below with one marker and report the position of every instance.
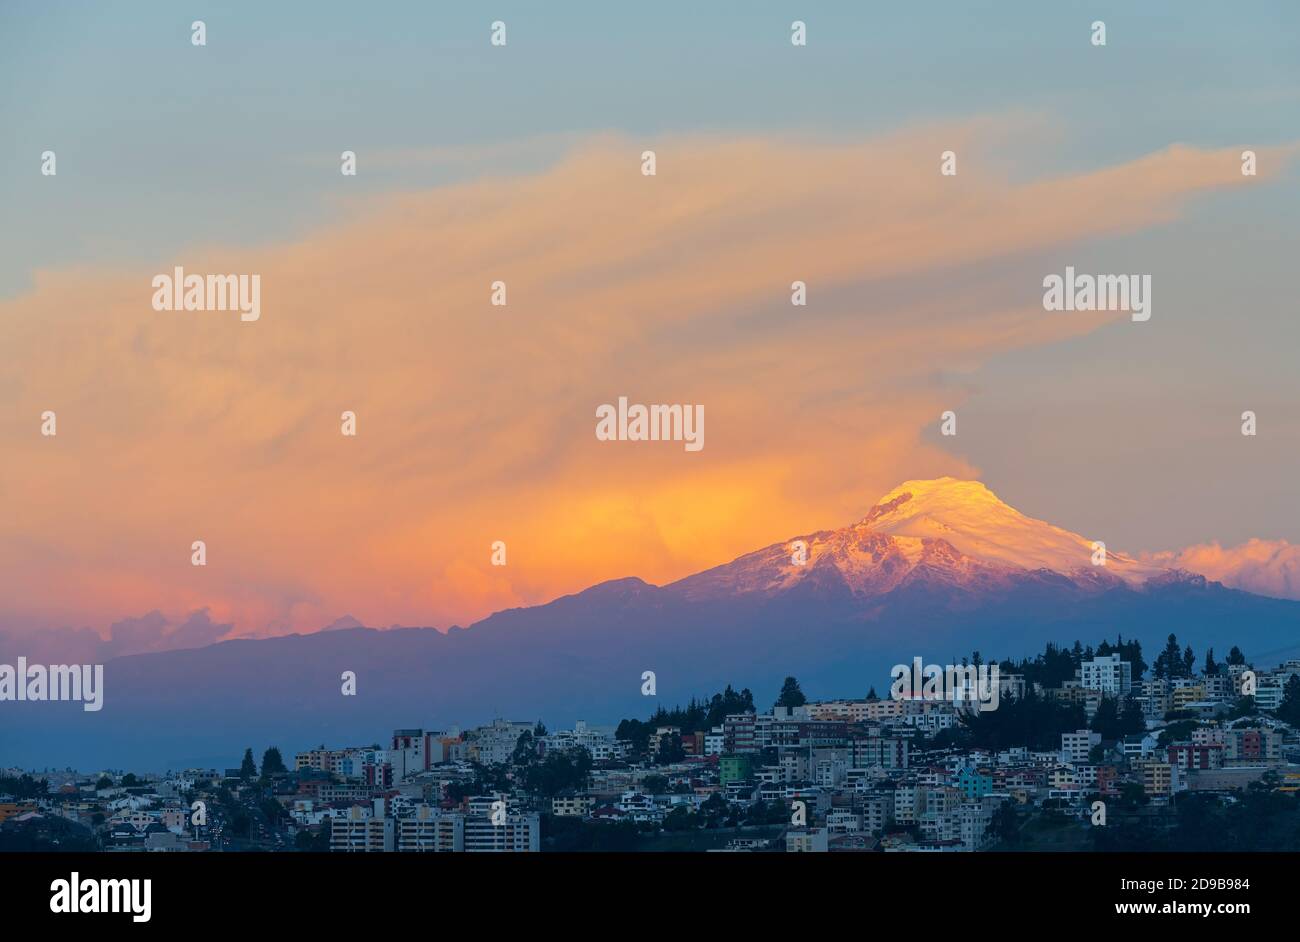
(870, 595)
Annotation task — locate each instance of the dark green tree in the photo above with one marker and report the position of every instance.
(1004, 825)
(525, 749)
(558, 772)
(1131, 651)
(1132, 795)
(1176, 732)
(715, 810)
(1034, 721)
(791, 695)
(680, 818)
(241, 824)
(670, 750)
(248, 768)
(1106, 721)
(1132, 722)
(24, 786)
(1289, 711)
(1245, 706)
(273, 811)
(655, 784)
(313, 841)
(1170, 662)
(273, 762)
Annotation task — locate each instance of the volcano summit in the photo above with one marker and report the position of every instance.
(936, 569)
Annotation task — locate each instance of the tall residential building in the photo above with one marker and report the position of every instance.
(1110, 674)
(1253, 746)
(428, 831)
(495, 744)
(518, 833)
(360, 832)
(1076, 746)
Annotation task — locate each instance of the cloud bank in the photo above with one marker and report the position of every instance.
(1264, 567)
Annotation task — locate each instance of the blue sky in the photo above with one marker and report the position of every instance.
(244, 133)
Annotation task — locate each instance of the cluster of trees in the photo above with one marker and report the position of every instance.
(700, 716)
(24, 787)
(1115, 721)
(697, 716)
(1057, 664)
(45, 835)
(488, 779)
(1033, 721)
(272, 764)
(717, 813)
(1174, 662)
(1289, 712)
(129, 780)
(1038, 723)
(556, 773)
(571, 834)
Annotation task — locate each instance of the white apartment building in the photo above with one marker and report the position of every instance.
(429, 831)
(1076, 746)
(714, 742)
(1269, 695)
(360, 832)
(495, 744)
(519, 833)
(1110, 674)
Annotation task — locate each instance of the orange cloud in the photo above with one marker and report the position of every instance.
(476, 423)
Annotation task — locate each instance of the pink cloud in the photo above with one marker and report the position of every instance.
(1264, 567)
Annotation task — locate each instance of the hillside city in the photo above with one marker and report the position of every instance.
(1087, 749)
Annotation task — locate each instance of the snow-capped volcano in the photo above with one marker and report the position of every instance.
(935, 569)
(943, 530)
(978, 524)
